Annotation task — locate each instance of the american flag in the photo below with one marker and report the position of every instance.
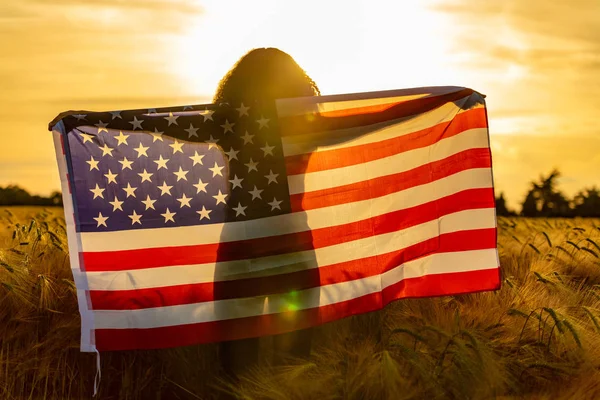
(217, 222)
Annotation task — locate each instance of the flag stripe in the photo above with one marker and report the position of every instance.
(472, 138)
(384, 185)
(299, 280)
(286, 223)
(300, 241)
(437, 263)
(360, 153)
(477, 219)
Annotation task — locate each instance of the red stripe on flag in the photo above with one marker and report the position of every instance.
(301, 241)
(337, 158)
(286, 283)
(272, 324)
(384, 185)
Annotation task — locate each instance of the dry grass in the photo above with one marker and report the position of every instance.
(537, 338)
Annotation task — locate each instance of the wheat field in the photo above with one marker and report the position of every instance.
(536, 338)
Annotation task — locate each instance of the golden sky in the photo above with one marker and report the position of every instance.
(537, 61)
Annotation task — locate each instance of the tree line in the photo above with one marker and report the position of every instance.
(13, 195)
(544, 200)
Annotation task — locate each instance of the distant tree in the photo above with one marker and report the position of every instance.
(501, 208)
(586, 203)
(13, 195)
(544, 200)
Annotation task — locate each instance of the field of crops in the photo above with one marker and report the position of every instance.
(536, 338)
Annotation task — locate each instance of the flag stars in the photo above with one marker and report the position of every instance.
(116, 114)
(87, 137)
(251, 165)
(256, 193)
(197, 158)
(227, 126)
(204, 213)
(149, 203)
(97, 192)
(243, 110)
(176, 146)
(172, 119)
(212, 142)
(102, 126)
(271, 177)
(168, 215)
(125, 164)
(161, 162)
(207, 114)
(216, 170)
(267, 150)
(142, 150)
(116, 204)
(111, 177)
(200, 186)
(248, 138)
(181, 174)
(275, 204)
(165, 189)
(137, 123)
(135, 218)
(93, 164)
(130, 190)
(220, 198)
(263, 122)
(106, 150)
(121, 139)
(240, 210)
(145, 176)
(192, 131)
(232, 154)
(156, 135)
(184, 201)
(101, 220)
(236, 182)
(80, 116)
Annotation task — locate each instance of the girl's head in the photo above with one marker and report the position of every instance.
(264, 74)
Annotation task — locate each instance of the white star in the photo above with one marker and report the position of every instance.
(191, 131)
(216, 170)
(185, 201)
(152, 111)
(220, 198)
(129, 190)
(176, 146)
(239, 210)
(275, 204)
(248, 138)
(262, 122)
(102, 126)
(232, 154)
(172, 119)
(207, 114)
(256, 193)
(145, 176)
(116, 204)
(80, 116)
(200, 186)
(267, 149)
(97, 192)
(236, 182)
(212, 142)
(168, 216)
(116, 114)
(106, 150)
(165, 189)
(156, 135)
(197, 158)
(101, 220)
(243, 110)
(271, 177)
(149, 203)
(93, 163)
(86, 137)
(126, 163)
(181, 174)
(141, 150)
(135, 218)
(121, 139)
(251, 165)
(186, 107)
(111, 177)
(227, 126)
(204, 213)
(136, 123)
(161, 162)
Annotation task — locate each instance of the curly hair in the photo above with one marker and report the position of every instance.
(264, 74)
